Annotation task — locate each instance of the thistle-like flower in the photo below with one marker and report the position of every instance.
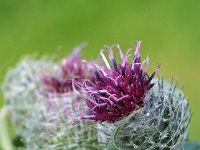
(117, 91)
(60, 85)
(39, 111)
(62, 98)
(71, 69)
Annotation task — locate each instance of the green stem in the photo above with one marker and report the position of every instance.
(5, 137)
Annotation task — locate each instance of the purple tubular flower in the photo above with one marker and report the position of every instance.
(70, 69)
(117, 91)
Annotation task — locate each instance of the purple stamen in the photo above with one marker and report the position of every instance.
(112, 59)
(137, 52)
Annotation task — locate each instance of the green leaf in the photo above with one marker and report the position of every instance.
(5, 137)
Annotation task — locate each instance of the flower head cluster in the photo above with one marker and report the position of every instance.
(118, 90)
(43, 101)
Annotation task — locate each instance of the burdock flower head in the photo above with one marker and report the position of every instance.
(70, 69)
(117, 90)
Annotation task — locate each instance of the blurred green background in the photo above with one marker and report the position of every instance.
(170, 31)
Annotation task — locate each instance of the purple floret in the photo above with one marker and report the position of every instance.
(118, 90)
(72, 69)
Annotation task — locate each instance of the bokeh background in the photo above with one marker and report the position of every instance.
(170, 31)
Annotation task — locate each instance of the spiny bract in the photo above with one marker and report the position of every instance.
(43, 127)
(161, 125)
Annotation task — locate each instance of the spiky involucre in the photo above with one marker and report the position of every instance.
(161, 125)
(43, 128)
(63, 133)
(22, 92)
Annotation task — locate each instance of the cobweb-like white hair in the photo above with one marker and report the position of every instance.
(161, 125)
(43, 124)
